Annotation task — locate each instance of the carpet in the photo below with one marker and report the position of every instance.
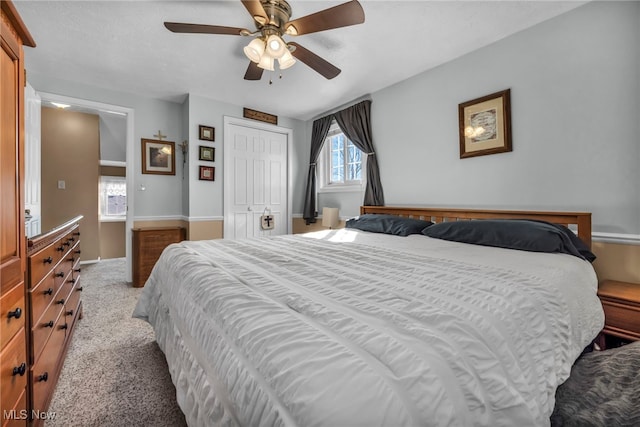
(602, 391)
(114, 373)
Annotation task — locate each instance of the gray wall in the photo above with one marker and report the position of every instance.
(162, 194)
(575, 104)
(205, 111)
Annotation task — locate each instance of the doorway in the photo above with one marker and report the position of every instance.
(256, 179)
(128, 113)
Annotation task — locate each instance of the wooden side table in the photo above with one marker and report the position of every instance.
(621, 304)
(148, 244)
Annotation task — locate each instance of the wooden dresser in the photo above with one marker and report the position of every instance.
(14, 364)
(53, 289)
(148, 244)
(621, 304)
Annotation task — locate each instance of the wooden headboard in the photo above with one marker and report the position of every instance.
(582, 220)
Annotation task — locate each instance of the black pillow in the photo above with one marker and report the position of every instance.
(388, 224)
(526, 235)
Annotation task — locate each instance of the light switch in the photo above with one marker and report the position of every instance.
(62, 185)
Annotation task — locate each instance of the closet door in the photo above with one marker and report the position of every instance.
(255, 182)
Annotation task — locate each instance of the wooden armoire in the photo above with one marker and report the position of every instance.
(13, 338)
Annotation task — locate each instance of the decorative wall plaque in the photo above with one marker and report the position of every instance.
(259, 115)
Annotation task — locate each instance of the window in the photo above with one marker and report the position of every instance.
(340, 163)
(113, 198)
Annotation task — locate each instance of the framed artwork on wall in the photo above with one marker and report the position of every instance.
(485, 125)
(207, 153)
(158, 157)
(207, 173)
(207, 133)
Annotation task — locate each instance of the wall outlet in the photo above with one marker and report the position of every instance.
(62, 185)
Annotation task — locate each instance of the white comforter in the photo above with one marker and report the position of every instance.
(350, 328)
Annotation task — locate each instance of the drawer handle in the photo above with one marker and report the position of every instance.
(77, 233)
(44, 377)
(20, 370)
(78, 251)
(79, 289)
(60, 301)
(65, 326)
(72, 260)
(60, 248)
(78, 270)
(47, 260)
(48, 291)
(71, 281)
(15, 313)
(69, 313)
(49, 324)
(61, 274)
(71, 239)
(66, 244)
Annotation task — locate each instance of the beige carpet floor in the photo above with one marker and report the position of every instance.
(114, 374)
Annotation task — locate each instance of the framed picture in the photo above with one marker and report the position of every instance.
(207, 153)
(485, 125)
(158, 157)
(207, 173)
(207, 133)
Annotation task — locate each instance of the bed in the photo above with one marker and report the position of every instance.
(349, 327)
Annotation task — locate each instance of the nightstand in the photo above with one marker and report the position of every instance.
(621, 304)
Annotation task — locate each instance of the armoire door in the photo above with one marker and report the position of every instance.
(256, 176)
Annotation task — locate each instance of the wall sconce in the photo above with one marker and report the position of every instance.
(184, 147)
(330, 217)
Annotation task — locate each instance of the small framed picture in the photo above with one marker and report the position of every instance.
(485, 125)
(207, 173)
(207, 153)
(207, 133)
(158, 157)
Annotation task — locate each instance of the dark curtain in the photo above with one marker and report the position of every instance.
(355, 122)
(319, 133)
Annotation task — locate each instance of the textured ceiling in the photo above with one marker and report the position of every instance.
(123, 46)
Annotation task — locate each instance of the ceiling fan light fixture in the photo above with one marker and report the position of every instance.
(286, 61)
(266, 62)
(276, 47)
(254, 50)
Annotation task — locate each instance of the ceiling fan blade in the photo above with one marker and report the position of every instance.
(178, 27)
(323, 67)
(255, 9)
(343, 15)
(253, 72)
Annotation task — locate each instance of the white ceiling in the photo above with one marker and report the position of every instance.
(123, 46)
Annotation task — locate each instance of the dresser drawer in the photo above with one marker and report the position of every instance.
(42, 262)
(42, 296)
(12, 312)
(71, 307)
(20, 414)
(44, 371)
(13, 375)
(45, 326)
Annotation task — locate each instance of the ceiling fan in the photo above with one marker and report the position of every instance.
(272, 21)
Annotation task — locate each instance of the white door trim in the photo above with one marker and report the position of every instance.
(130, 153)
(228, 120)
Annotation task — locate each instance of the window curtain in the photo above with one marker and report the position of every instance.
(355, 122)
(318, 135)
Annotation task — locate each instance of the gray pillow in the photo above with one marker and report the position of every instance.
(526, 235)
(388, 224)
